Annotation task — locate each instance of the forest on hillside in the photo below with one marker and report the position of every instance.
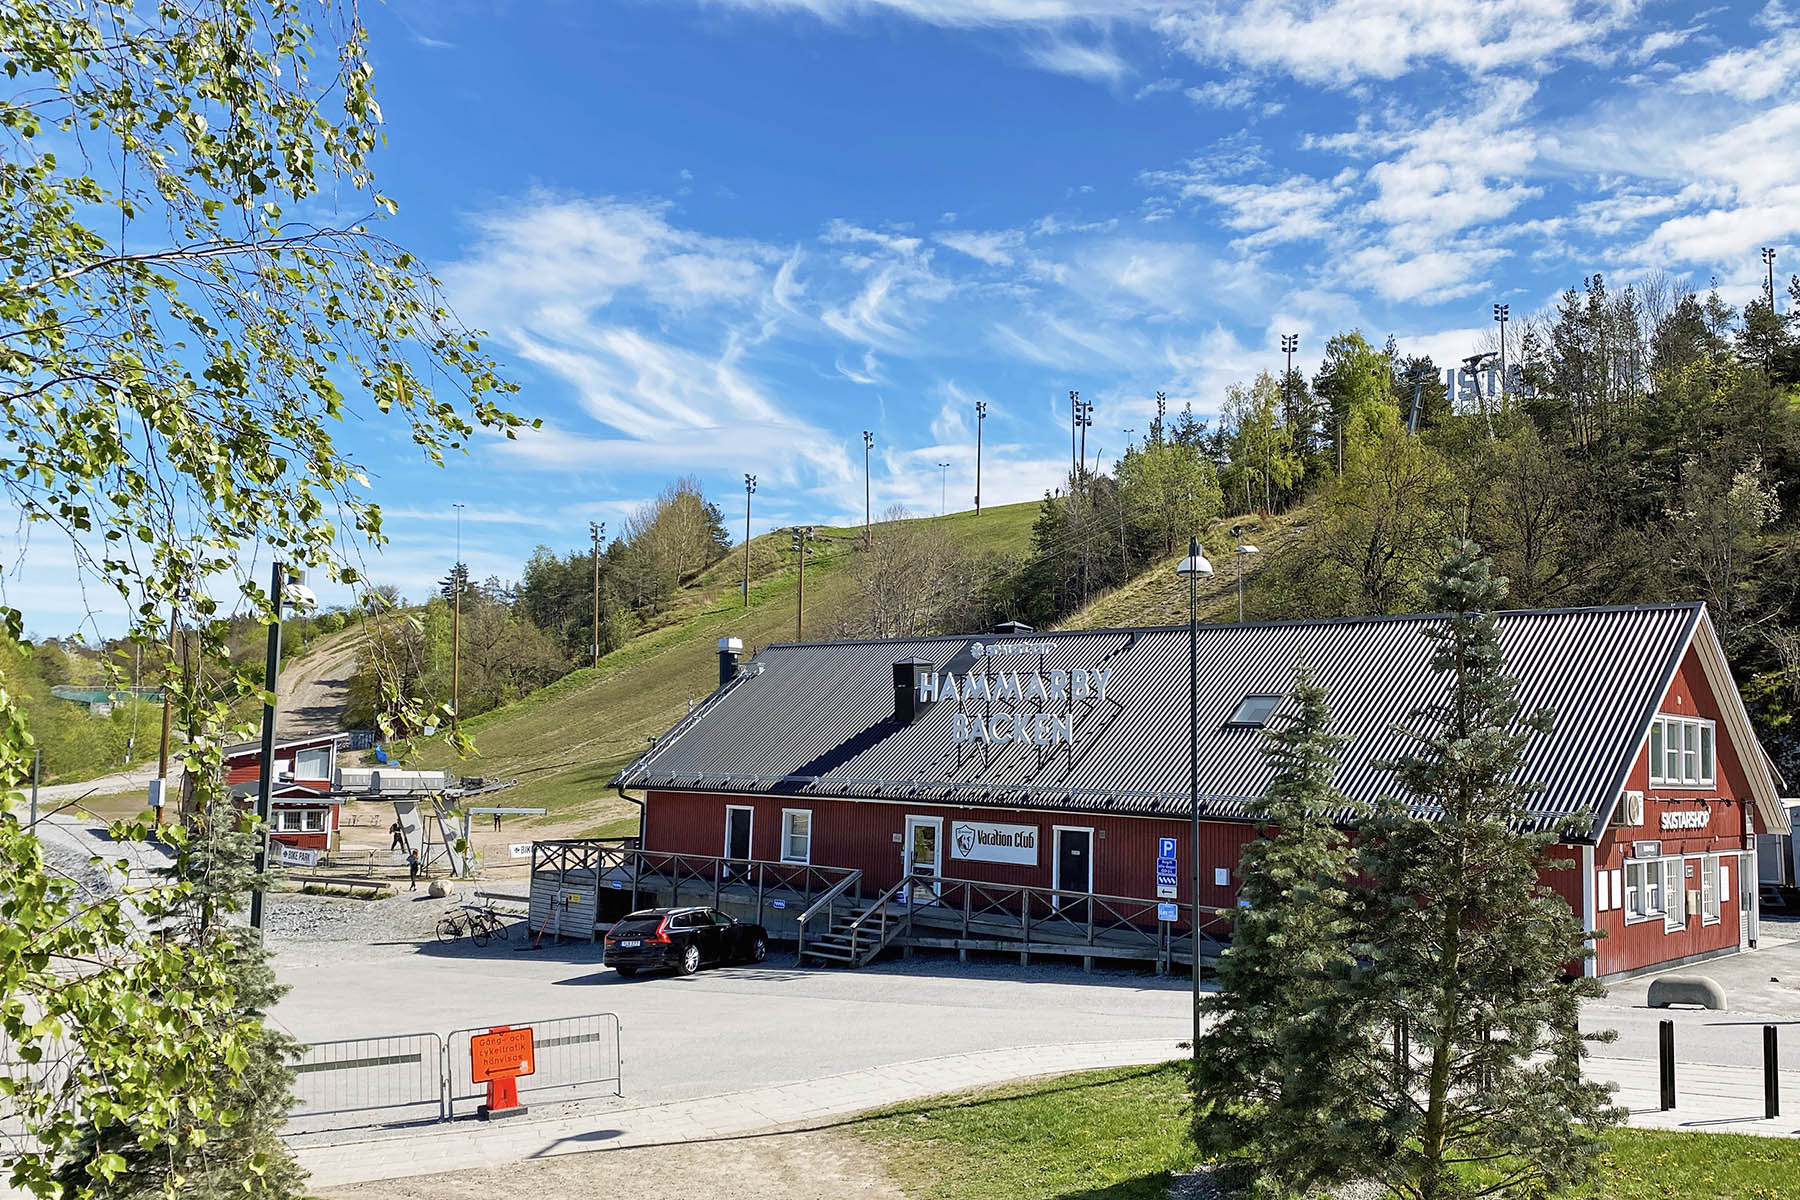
(1635, 445)
(515, 637)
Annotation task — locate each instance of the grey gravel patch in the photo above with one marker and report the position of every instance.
(1219, 1181)
(407, 916)
(92, 883)
(1208, 1181)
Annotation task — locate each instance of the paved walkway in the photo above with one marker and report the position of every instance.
(465, 1144)
(1710, 1099)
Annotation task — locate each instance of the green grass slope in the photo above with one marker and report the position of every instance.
(565, 742)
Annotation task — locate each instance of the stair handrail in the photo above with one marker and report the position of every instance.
(882, 936)
(826, 901)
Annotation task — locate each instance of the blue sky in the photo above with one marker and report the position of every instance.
(719, 236)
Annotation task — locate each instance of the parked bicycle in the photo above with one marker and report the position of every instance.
(481, 925)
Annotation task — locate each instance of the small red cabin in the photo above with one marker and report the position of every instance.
(1060, 760)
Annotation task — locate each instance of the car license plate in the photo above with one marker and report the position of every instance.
(631, 944)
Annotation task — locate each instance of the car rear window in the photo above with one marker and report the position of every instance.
(636, 927)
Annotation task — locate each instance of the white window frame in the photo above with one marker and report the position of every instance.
(787, 835)
(1712, 878)
(1639, 905)
(1675, 913)
(1683, 752)
(287, 820)
(312, 750)
(307, 818)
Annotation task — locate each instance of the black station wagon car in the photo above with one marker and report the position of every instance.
(683, 938)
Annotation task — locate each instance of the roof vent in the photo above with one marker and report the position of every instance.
(1012, 629)
(908, 675)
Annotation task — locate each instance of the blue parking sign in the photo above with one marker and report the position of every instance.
(1165, 847)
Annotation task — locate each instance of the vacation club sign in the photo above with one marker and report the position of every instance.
(1034, 695)
(985, 841)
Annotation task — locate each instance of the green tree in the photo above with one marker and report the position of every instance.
(1270, 1080)
(1465, 948)
(1262, 448)
(177, 356)
(1355, 382)
(235, 1144)
(1169, 489)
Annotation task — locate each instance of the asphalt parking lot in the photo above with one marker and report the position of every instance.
(743, 1027)
(726, 1028)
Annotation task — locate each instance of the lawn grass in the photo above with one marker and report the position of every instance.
(1120, 1134)
(1100, 1135)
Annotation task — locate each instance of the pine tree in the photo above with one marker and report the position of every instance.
(235, 1149)
(1478, 1083)
(1269, 1081)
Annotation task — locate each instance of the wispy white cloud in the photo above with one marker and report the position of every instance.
(1081, 59)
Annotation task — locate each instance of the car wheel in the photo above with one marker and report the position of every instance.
(690, 959)
(759, 950)
(626, 972)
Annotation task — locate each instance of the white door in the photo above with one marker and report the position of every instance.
(924, 850)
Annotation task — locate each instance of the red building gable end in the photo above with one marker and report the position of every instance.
(1695, 838)
(302, 811)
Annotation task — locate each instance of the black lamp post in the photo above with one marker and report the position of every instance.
(1768, 257)
(1194, 566)
(749, 491)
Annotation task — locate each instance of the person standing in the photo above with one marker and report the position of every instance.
(398, 833)
(496, 822)
(412, 865)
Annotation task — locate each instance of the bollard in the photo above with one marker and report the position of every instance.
(1665, 1056)
(1771, 1081)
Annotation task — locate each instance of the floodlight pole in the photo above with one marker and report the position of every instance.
(749, 491)
(1768, 257)
(595, 530)
(266, 774)
(868, 527)
(980, 419)
(456, 583)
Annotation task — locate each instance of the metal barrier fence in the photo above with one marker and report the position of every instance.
(345, 1084)
(416, 1078)
(576, 1059)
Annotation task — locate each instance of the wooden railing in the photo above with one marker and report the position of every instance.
(828, 903)
(1032, 915)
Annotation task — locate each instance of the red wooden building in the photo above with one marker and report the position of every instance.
(303, 813)
(1060, 760)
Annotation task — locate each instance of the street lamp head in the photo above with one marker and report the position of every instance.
(981, 410)
(1195, 563)
(299, 597)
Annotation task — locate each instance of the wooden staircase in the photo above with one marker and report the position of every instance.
(963, 915)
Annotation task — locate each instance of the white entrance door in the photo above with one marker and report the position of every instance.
(924, 847)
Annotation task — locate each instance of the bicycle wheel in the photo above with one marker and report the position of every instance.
(449, 929)
(497, 927)
(478, 933)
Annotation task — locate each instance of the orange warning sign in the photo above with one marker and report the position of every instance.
(502, 1053)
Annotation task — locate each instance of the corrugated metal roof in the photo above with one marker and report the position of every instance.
(818, 718)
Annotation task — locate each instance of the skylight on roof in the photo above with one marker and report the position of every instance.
(1253, 712)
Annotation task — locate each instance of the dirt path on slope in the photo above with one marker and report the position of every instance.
(316, 687)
